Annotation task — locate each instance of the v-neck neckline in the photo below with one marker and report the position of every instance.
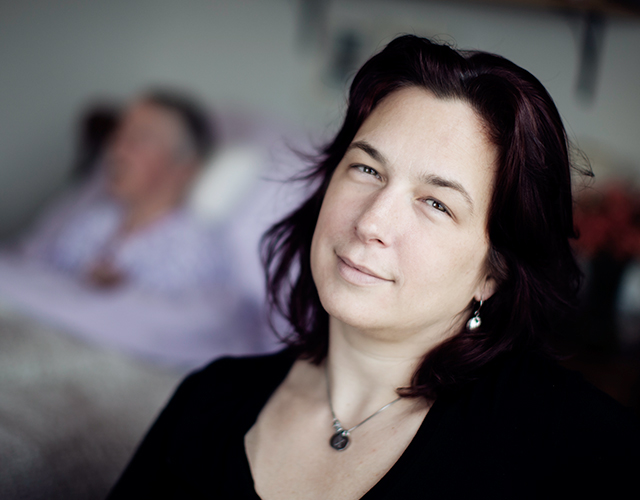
(385, 485)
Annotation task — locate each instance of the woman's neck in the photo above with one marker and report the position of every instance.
(364, 373)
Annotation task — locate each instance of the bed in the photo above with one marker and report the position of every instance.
(71, 413)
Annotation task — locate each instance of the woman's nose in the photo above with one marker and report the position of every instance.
(378, 220)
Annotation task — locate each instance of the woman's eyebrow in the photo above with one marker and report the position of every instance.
(436, 180)
(370, 150)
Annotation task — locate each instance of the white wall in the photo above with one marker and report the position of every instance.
(55, 56)
(547, 43)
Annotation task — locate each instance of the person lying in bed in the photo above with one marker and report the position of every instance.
(140, 234)
(127, 263)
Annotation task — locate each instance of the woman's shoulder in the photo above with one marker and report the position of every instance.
(543, 381)
(527, 420)
(233, 377)
(537, 387)
(246, 366)
(197, 439)
(551, 409)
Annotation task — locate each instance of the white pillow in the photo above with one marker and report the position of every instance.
(226, 177)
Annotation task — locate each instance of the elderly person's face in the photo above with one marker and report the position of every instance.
(400, 243)
(147, 154)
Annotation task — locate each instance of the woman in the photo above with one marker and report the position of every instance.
(419, 279)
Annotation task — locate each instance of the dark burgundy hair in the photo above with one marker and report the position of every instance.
(530, 216)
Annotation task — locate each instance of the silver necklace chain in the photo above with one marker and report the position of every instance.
(340, 439)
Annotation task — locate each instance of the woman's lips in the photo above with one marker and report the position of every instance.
(357, 274)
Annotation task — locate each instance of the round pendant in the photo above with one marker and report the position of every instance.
(339, 441)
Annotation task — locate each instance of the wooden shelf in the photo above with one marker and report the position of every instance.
(627, 8)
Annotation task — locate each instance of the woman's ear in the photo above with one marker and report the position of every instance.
(485, 290)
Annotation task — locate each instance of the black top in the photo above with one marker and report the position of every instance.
(526, 429)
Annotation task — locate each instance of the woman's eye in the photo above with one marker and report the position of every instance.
(437, 205)
(368, 170)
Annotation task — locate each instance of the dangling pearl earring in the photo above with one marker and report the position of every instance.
(475, 321)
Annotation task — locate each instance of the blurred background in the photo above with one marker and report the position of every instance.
(287, 59)
(272, 74)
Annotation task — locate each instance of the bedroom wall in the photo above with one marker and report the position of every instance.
(259, 54)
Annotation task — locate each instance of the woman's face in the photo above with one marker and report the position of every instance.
(400, 244)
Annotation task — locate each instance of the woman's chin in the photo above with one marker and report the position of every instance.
(377, 325)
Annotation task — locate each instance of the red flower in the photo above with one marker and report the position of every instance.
(608, 221)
